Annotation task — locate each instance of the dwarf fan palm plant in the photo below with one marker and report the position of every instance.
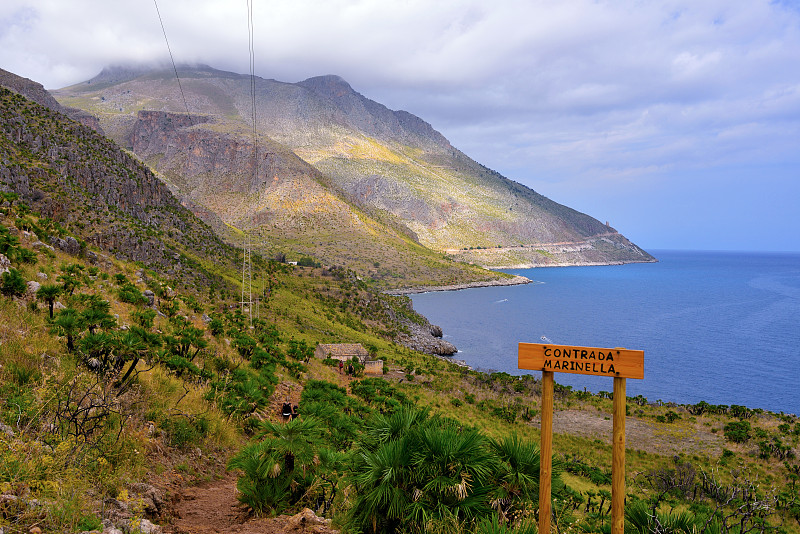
(452, 468)
(282, 469)
(420, 474)
(49, 293)
(67, 323)
(517, 477)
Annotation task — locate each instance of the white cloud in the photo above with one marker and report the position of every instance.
(575, 92)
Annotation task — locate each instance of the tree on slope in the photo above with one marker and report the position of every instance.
(49, 293)
(67, 323)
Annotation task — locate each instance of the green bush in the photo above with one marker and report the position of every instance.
(8, 242)
(216, 327)
(305, 261)
(737, 431)
(379, 393)
(243, 391)
(12, 284)
(24, 255)
(299, 350)
(130, 293)
(287, 467)
(88, 523)
(343, 414)
(185, 432)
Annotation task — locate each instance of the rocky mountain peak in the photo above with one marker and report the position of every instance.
(327, 151)
(330, 85)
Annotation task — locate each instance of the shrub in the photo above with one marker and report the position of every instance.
(299, 350)
(216, 327)
(12, 284)
(130, 293)
(379, 393)
(741, 412)
(243, 392)
(737, 431)
(89, 522)
(286, 467)
(184, 432)
(24, 255)
(8, 242)
(305, 261)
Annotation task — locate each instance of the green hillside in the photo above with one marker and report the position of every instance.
(115, 408)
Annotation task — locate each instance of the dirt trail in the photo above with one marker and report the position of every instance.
(212, 508)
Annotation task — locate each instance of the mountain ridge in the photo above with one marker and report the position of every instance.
(388, 166)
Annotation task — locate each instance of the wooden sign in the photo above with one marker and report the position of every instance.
(616, 363)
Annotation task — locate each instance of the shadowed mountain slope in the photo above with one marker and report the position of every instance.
(84, 182)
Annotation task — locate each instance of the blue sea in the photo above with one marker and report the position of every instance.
(723, 327)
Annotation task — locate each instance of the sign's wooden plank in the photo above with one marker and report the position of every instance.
(617, 362)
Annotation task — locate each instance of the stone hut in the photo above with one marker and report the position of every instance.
(341, 351)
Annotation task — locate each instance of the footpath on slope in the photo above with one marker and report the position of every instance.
(212, 508)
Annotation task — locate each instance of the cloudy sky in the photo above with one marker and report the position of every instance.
(677, 121)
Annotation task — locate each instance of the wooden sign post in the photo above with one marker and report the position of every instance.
(617, 363)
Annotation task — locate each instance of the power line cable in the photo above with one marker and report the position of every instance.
(172, 59)
(247, 277)
(251, 46)
(247, 269)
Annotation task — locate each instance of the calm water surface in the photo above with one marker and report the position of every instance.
(723, 327)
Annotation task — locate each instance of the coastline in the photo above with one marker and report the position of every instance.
(514, 281)
(570, 264)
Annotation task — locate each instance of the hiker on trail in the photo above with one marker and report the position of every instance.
(341, 365)
(286, 411)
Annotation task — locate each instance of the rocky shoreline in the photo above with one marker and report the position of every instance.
(514, 281)
(427, 338)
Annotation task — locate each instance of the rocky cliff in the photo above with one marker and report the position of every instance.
(36, 92)
(69, 173)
